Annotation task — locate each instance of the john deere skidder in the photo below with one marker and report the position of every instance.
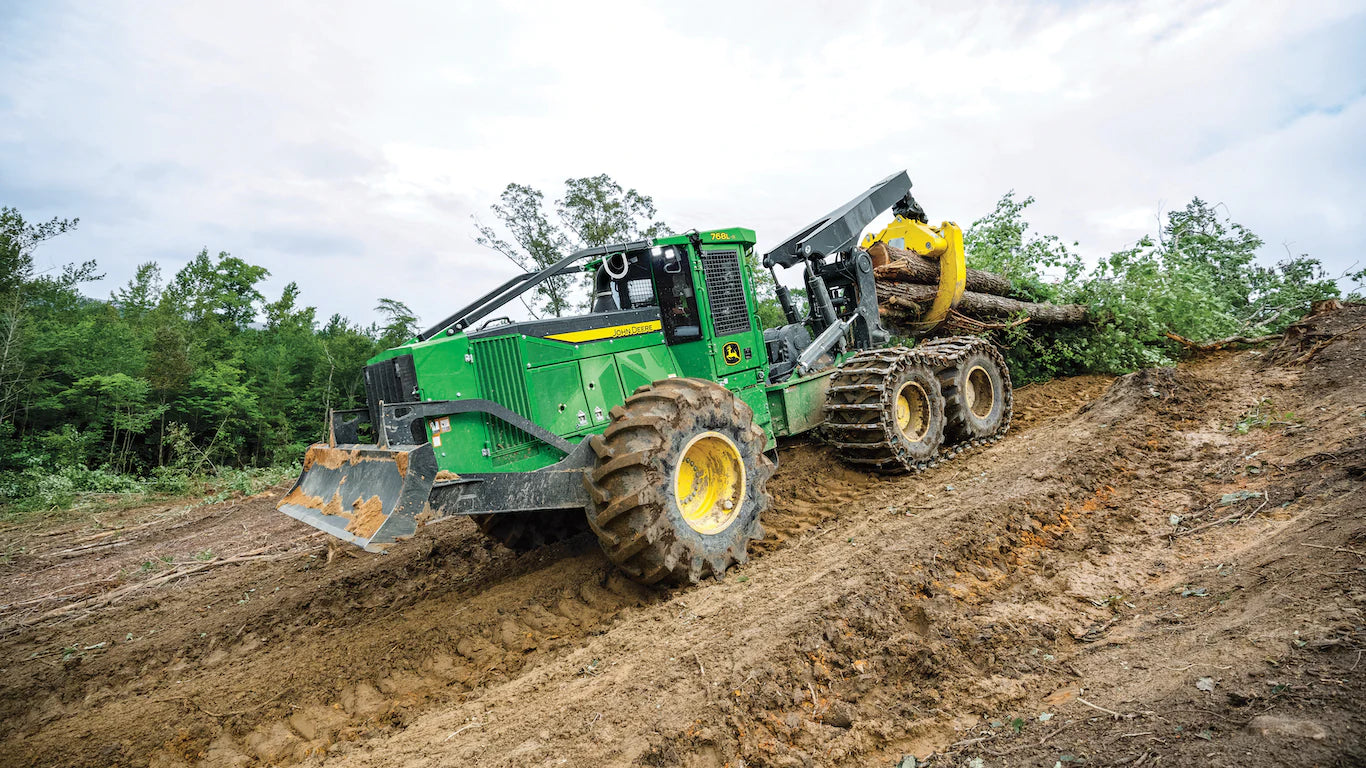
(653, 419)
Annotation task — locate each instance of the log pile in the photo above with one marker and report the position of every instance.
(908, 282)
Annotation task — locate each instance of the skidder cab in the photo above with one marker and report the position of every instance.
(650, 419)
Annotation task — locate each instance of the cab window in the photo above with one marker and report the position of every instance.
(677, 298)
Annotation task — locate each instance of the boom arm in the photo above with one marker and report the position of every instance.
(836, 231)
(849, 277)
(835, 235)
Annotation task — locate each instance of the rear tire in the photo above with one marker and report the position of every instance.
(680, 482)
(976, 395)
(884, 410)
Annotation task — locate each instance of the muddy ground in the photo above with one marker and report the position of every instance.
(1164, 569)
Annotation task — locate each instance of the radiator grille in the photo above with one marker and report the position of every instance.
(502, 378)
(725, 291)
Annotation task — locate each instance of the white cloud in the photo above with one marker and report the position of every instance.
(346, 148)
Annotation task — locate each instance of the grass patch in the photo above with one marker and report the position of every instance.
(31, 497)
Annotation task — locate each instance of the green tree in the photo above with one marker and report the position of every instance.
(140, 296)
(222, 291)
(116, 405)
(18, 239)
(595, 210)
(400, 324)
(280, 361)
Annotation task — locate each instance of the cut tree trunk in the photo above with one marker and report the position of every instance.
(906, 302)
(908, 267)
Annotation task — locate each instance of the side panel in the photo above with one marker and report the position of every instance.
(601, 386)
(798, 405)
(557, 397)
(645, 366)
(757, 400)
(443, 374)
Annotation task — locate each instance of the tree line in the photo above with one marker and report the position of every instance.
(167, 377)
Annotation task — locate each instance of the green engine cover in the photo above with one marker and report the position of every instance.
(566, 374)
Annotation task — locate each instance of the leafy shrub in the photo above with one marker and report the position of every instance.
(1198, 279)
(170, 480)
(50, 491)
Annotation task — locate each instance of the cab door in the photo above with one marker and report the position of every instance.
(676, 279)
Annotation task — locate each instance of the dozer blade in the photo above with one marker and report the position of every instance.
(364, 494)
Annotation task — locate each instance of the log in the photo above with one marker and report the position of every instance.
(909, 267)
(906, 302)
(1211, 346)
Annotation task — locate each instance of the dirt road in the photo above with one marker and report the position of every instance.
(1171, 565)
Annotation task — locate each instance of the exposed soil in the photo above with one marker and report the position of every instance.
(1165, 569)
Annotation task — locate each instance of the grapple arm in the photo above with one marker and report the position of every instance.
(945, 243)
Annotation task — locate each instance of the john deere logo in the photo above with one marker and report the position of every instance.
(731, 352)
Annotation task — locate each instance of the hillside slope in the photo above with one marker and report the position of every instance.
(1172, 565)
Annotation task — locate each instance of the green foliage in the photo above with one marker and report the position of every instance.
(400, 324)
(169, 386)
(1002, 242)
(597, 211)
(1197, 278)
(594, 210)
(1262, 416)
(18, 238)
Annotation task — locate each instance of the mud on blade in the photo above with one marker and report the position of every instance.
(364, 494)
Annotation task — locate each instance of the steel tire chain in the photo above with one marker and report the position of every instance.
(885, 363)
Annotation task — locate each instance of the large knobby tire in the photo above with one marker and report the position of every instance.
(917, 412)
(679, 483)
(525, 531)
(976, 395)
(884, 409)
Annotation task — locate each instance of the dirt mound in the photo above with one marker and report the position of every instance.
(1171, 565)
(1304, 340)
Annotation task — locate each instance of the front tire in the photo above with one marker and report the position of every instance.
(679, 484)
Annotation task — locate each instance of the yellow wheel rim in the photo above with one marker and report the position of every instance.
(978, 393)
(912, 411)
(709, 483)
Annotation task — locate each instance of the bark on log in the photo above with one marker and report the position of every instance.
(909, 267)
(907, 301)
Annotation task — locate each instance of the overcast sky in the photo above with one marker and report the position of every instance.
(346, 146)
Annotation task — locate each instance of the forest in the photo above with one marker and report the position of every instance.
(198, 382)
